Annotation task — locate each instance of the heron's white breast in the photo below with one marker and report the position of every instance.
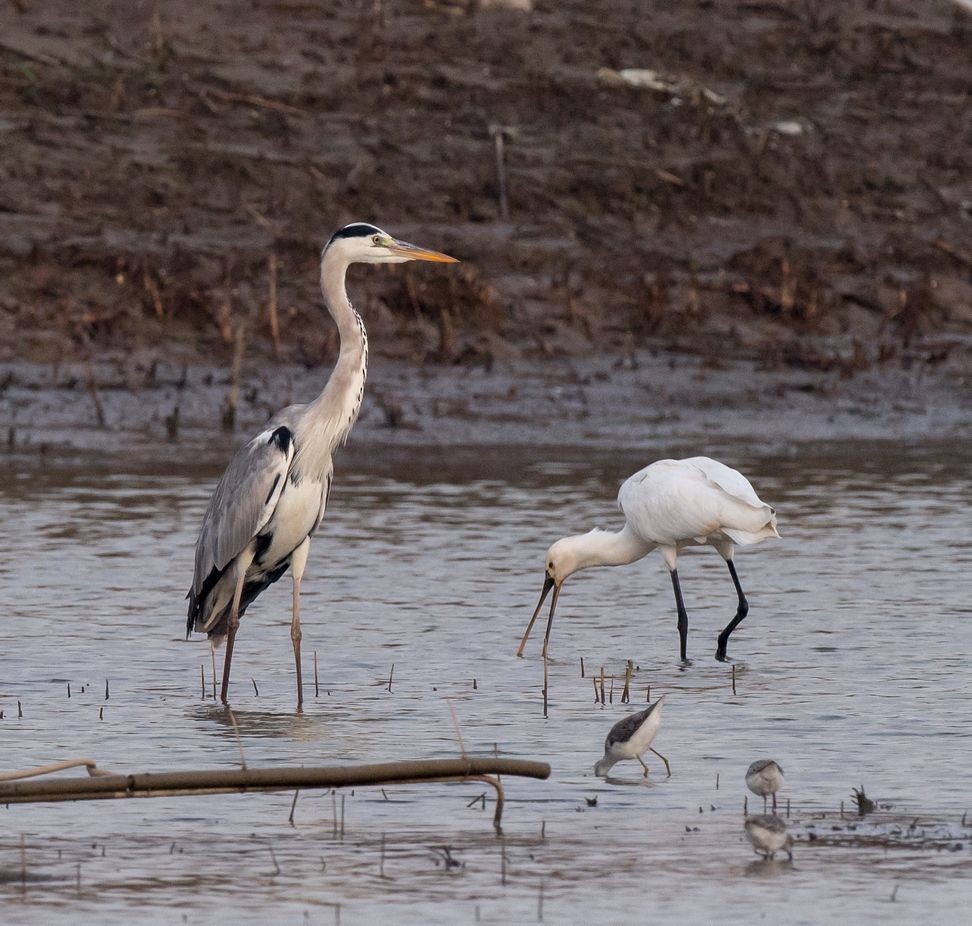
(294, 518)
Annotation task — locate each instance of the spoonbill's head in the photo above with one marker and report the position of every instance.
(361, 243)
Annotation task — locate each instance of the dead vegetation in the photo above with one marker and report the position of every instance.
(772, 180)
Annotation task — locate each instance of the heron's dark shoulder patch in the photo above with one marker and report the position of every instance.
(283, 438)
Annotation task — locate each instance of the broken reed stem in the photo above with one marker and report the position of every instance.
(504, 205)
(272, 305)
(455, 724)
(95, 396)
(545, 682)
(582, 666)
(239, 739)
(334, 813)
(23, 863)
(256, 690)
(317, 687)
(597, 699)
(611, 692)
(273, 858)
(602, 684)
(342, 816)
(734, 678)
(293, 807)
(391, 675)
(107, 692)
(717, 781)
(381, 861)
(202, 679)
(212, 653)
(626, 693)
(236, 370)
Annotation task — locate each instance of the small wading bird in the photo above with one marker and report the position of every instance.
(668, 505)
(763, 778)
(767, 833)
(271, 498)
(631, 738)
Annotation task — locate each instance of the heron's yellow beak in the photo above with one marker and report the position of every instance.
(414, 252)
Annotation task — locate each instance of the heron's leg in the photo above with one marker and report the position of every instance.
(645, 767)
(774, 802)
(764, 803)
(741, 611)
(682, 616)
(234, 623)
(297, 563)
(668, 768)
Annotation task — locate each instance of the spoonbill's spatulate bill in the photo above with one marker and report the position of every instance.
(631, 738)
(668, 505)
(271, 498)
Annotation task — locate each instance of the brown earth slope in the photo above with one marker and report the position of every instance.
(790, 184)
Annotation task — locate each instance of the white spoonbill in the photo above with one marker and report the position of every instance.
(271, 498)
(668, 505)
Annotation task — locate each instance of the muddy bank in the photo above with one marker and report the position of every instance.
(655, 402)
(787, 176)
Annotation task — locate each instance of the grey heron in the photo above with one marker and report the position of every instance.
(631, 738)
(764, 778)
(272, 496)
(668, 505)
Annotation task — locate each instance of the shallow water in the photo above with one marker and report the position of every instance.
(851, 669)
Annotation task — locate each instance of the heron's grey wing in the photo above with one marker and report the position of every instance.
(243, 501)
(624, 729)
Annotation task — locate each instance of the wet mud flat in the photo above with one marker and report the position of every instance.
(432, 566)
(785, 175)
(312, 872)
(652, 401)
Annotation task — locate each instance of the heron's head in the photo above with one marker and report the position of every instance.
(361, 243)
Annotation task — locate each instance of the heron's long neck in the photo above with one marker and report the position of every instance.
(330, 417)
(609, 548)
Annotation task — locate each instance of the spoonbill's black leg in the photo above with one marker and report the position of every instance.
(741, 612)
(682, 616)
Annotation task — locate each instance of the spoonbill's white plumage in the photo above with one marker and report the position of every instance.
(631, 738)
(764, 778)
(768, 835)
(668, 505)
